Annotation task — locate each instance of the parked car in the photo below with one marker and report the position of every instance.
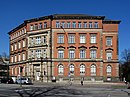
(23, 80)
(7, 80)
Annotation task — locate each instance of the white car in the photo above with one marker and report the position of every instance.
(23, 80)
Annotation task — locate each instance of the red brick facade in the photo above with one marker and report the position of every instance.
(66, 46)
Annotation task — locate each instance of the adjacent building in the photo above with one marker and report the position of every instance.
(65, 46)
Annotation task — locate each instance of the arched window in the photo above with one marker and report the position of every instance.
(93, 69)
(60, 69)
(82, 69)
(109, 69)
(71, 68)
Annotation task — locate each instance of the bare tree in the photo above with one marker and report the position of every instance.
(125, 65)
(4, 56)
(125, 55)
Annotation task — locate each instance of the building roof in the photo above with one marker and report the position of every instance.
(64, 16)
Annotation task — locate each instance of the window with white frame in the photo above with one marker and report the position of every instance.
(109, 41)
(45, 24)
(93, 69)
(38, 39)
(57, 24)
(85, 24)
(95, 24)
(60, 69)
(90, 24)
(93, 54)
(109, 55)
(71, 38)
(35, 27)
(82, 69)
(71, 68)
(44, 39)
(23, 56)
(60, 54)
(38, 53)
(93, 38)
(60, 38)
(40, 26)
(71, 53)
(63, 24)
(79, 25)
(19, 44)
(73, 24)
(24, 43)
(31, 27)
(68, 24)
(12, 48)
(109, 69)
(82, 39)
(82, 53)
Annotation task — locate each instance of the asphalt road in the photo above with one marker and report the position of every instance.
(64, 90)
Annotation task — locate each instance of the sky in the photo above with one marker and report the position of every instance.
(14, 12)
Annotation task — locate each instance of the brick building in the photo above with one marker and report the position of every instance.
(65, 46)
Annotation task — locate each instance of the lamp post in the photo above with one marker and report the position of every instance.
(69, 73)
(41, 69)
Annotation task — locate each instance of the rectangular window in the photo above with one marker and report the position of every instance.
(109, 41)
(23, 56)
(68, 24)
(35, 27)
(93, 54)
(85, 24)
(45, 24)
(82, 54)
(12, 48)
(60, 38)
(24, 43)
(40, 26)
(90, 24)
(38, 53)
(109, 55)
(96, 25)
(19, 45)
(71, 39)
(63, 24)
(82, 39)
(93, 38)
(57, 24)
(79, 25)
(60, 54)
(31, 27)
(74, 25)
(38, 40)
(71, 54)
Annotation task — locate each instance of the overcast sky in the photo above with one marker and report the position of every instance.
(14, 12)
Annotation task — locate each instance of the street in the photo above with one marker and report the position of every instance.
(64, 90)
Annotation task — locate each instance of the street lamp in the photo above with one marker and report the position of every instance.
(41, 69)
(69, 73)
